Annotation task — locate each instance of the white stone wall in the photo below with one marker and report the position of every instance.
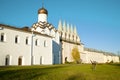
(84, 57)
(116, 59)
(94, 56)
(67, 50)
(10, 48)
(98, 57)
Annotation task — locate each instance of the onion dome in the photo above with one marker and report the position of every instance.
(42, 11)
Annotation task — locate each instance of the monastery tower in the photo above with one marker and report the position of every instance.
(42, 15)
(45, 28)
(68, 32)
(69, 39)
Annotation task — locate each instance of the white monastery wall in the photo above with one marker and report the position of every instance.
(42, 53)
(67, 50)
(9, 47)
(94, 56)
(99, 57)
(83, 57)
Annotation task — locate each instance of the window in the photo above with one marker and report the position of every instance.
(27, 41)
(65, 35)
(2, 37)
(73, 37)
(45, 43)
(37, 42)
(16, 39)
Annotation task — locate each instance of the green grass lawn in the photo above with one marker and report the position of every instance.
(61, 72)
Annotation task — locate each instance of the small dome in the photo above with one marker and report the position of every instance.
(42, 11)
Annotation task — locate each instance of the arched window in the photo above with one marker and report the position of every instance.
(37, 43)
(27, 41)
(45, 43)
(17, 39)
(65, 35)
(2, 37)
(73, 37)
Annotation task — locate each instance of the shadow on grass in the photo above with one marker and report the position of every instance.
(25, 73)
(115, 64)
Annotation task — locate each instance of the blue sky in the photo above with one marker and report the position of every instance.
(97, 21)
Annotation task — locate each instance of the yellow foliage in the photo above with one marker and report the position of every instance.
(76, 54)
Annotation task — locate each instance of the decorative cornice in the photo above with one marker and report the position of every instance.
(43, 25)
(24, 29)
(69, 41)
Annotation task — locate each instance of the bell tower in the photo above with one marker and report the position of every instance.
(42, 14)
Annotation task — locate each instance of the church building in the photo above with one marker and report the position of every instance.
(42, 44)
(30, 46)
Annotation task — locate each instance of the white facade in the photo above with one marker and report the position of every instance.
(19, 50)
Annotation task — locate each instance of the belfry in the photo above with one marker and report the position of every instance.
(42, 15)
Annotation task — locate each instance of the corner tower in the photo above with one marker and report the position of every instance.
(42, 15)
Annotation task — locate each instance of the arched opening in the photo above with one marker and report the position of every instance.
(26, 40)
(7, 60)
(17, 39)
(2, 37)
(40, 59)
(20, 61)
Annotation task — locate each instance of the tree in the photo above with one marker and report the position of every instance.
(76, 54)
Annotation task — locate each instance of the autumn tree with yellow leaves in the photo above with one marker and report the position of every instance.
(76, 54)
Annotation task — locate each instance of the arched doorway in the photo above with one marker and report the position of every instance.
(7, 60)
(20, 61)
(40, 59)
